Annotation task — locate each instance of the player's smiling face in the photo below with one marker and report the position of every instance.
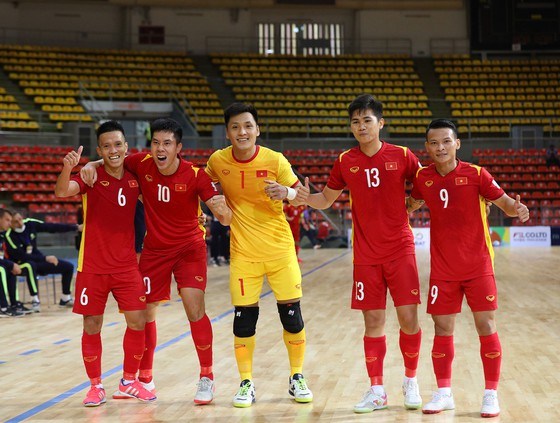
(442, 145)
(365, 126)
(164, 151)
(242, 131)
(112, 148)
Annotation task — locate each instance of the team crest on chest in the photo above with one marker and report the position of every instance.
(104, 183)
(262, 173)
(461, 180)
(225, 172)
(429, 183)
(133, 183)
(181, 187)
(354, 169)
(391, 166)
(149, 178)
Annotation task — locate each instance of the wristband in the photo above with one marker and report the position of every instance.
(291, 193)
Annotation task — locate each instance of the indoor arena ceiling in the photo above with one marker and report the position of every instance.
(345, 4)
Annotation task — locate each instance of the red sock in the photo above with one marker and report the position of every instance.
(147, 361)
(375, 350)
(491, 354)
(443, 353)
(410, 349)
(202, 338)
(91, 354)
(133, 346)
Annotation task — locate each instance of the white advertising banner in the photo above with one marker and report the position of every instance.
(421, 237)
(530, 236)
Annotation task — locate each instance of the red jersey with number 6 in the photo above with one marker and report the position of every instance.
(107, 244)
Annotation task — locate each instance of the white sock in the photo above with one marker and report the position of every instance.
(378, 389)
(409, 379)
(444, 391)
(35, 298)
(66, 297)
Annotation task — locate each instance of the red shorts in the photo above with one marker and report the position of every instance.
(400, 276)
(187, 266)
(92, 291)
(446, 297)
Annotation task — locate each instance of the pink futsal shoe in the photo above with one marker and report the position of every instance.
(95, 397)
(134, 390)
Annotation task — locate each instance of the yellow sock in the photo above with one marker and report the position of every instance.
(244, 348)
(295, 343)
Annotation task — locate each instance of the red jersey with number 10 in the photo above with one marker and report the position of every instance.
(460, 245)
(380, 228)
(171, 202)
(108, 233)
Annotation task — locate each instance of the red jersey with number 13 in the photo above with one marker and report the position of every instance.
(380, 228)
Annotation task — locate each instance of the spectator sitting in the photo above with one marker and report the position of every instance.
(21, 245)
(552, 158)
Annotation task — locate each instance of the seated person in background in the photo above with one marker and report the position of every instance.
(308, 229)
(552, 158)
(8, 272)
(293, 216)
(21, 245)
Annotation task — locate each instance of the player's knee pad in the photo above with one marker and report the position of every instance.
(290, 316)
(245, 321)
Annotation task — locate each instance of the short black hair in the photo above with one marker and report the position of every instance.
(442, 123)
(235, 109)
(109, 126)
(167, 125)
(365, 102)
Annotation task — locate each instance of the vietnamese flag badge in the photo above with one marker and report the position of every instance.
(181, 187)
(262, 173)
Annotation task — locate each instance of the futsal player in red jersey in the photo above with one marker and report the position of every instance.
(175, 243)
(462, 258)
(383, 245)
(107, 260)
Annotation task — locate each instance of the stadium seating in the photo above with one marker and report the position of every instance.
(56, 79)
(309, 95)
(487, 97)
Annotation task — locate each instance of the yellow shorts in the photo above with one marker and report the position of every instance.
(246, 279)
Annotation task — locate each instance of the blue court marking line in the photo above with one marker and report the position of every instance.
(2, 362)
(111, 324)
(81, 387)
(30, 352)
(62, 341)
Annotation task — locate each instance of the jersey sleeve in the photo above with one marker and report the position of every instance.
(336, 182)
(412, 164)
(416, 193)
(286, 175)
(209, 169)
(76, 178)
(132, 161)
(489, 188)
(205, 187)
